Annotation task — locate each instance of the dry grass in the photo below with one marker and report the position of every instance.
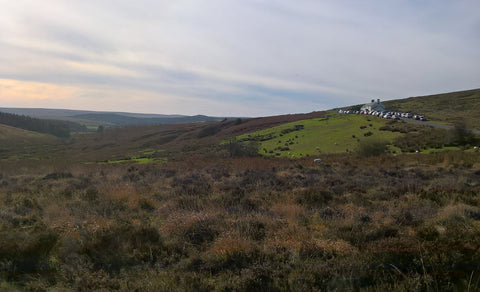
(348, 223)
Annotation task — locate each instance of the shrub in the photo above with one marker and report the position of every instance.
(122, 245)
(252, 229)
(462, 136)
(239, 149)
(192, 185)
(426, 138)
(202, 231)
(58, 175)
(314, 198)
(367, 148)
(27, 251)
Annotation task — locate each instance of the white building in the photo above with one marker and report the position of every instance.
(374, 106)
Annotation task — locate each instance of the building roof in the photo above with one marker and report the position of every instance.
(374, 106)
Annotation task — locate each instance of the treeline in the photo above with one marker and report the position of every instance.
(57, 128)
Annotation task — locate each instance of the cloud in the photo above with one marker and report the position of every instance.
(31, 93)
(100, 69)
(274, 56)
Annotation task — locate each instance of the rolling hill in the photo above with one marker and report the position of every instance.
(24, 144)
(338, 133)
(447, 108)
(124, 120)
(92, 119)
(296, 135)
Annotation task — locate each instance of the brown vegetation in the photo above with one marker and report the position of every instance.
(409, 222)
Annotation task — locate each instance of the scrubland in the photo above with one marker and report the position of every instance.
(448, 108)
(214, 223)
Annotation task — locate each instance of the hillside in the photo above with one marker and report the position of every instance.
(447, 107)
(333, 134)
(19, 143)
(170, 208)
(321, 133)
(54, 127)
(11, 134)
(215, 223)
(338, 133)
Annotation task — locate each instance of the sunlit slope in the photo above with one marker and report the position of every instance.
(336, 133)
(12, 135)
(19, 143)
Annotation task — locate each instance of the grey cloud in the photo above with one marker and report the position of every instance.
(333, 52)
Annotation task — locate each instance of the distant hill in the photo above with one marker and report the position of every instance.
(125, 120)
(446, 107)
(46, 112)
(96, 118)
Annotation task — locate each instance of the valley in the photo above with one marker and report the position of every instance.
(241, 205)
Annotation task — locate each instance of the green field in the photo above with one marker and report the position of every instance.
(337, 133)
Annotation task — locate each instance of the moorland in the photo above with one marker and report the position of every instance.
(224, 205)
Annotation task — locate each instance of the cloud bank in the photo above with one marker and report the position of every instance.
(226, 58)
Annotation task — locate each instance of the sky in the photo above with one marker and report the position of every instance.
(233, 57)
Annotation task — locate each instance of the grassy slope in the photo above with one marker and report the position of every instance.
(446, 108)
(333, 134)
(129, 142)
(11, 136)
(15, 142)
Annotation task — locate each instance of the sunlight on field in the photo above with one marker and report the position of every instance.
(337, 133)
